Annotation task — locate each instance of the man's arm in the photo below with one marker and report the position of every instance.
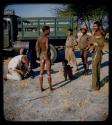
(47, 47)
(75, 43)
(90, 41)
(37, 47)
(19, 71)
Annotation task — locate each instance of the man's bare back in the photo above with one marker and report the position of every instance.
(43, 47)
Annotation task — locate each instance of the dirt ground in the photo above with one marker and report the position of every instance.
(70, 100)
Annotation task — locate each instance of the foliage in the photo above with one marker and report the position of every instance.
(84, 11)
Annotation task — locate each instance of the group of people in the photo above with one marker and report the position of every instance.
(93, 42)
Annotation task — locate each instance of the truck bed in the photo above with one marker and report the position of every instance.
(31, 28)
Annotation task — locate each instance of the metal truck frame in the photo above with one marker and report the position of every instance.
(19, 32)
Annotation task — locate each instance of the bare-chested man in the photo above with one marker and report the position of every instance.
(44, 55)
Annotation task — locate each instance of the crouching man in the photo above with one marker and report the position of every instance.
(18, 67)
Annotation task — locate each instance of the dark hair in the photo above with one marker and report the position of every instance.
(65, 61)
(71, 30)
(98, 23)
(45, 28)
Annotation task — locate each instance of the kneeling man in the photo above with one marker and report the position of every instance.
(15, 67)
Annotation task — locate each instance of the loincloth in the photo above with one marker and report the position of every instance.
(44, 56)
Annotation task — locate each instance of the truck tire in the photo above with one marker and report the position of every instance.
(53, 53)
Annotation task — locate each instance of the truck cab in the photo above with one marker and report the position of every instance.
(9, 31)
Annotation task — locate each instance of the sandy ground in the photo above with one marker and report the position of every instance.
(70, 101)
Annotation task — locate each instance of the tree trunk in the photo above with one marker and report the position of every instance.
(77, 25)
(88, 23)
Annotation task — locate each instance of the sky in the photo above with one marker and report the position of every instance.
(39, 10)
(32, 10)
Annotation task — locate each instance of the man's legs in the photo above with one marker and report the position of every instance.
(48, 68)
(95, 72)
(42, 64)
(73, 62)
(98, 74)
(69, 71)
(86, 66)
(82, 57)
(65, 74)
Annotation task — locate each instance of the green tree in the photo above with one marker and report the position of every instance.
(84, 11)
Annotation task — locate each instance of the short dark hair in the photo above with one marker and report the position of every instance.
(98, 23)
(65, 61)
(45, 28)
(71, 30)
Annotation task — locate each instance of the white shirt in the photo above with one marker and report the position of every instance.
(15, 62)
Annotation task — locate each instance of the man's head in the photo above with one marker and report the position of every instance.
(70, 32)
(96, 25)
(25, 59)
(46, 30)
(64, 62)
(22, 51)
(83, 29)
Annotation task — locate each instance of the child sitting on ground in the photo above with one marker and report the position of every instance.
(67, 70)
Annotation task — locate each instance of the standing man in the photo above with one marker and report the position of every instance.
(44, 55)
(97, 43)
(83, 46)
(69, 49)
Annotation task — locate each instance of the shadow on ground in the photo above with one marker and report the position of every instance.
(63, 82)
(106, 63)
(104, 81)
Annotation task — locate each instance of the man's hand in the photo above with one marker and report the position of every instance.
(75, 43)
(19, 71)
(95, 44)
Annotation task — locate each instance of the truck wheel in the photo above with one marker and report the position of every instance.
(53, 53)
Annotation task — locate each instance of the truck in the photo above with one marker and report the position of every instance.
(22, 32)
